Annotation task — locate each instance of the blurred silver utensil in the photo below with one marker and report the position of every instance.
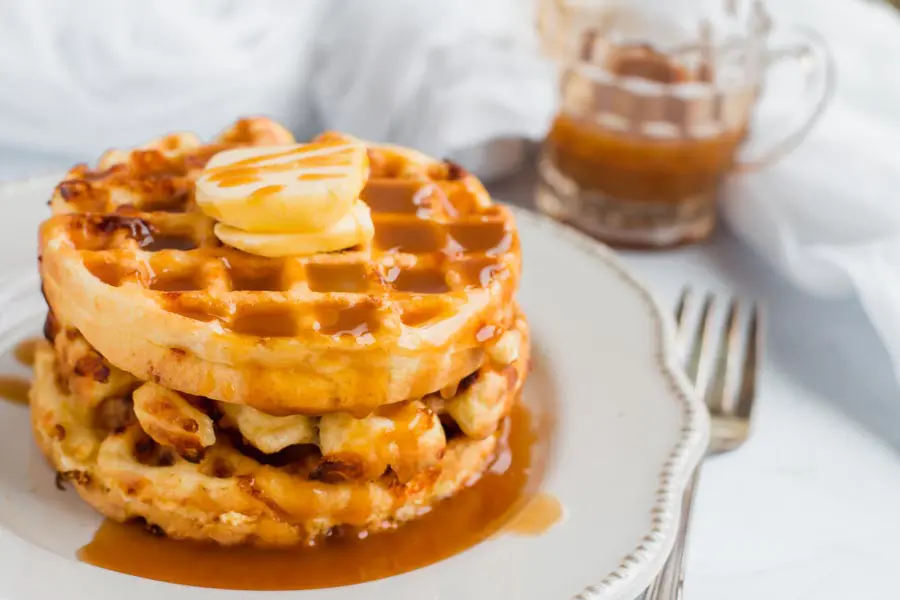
(721, 358)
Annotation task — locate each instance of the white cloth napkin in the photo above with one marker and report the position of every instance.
(828, 215)
(451, 78)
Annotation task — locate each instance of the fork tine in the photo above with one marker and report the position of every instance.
(682, 336)
(719, 395)
(729, 422)
(697, 363)
(684, 300)
(749, 370)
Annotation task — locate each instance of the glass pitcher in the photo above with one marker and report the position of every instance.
(659, 101)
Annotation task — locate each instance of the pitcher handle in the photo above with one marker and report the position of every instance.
(813, 57)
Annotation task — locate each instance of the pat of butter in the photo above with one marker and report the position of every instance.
(288, 200)
(355, 229)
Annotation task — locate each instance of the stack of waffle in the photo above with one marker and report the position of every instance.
(217, 395)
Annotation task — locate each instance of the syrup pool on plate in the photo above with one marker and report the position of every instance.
(500, 502)
(14, 388)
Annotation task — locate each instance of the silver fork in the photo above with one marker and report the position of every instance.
(723, 369)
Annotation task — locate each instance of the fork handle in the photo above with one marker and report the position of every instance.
(669, 584)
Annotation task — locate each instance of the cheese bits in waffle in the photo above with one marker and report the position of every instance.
(258, 341)
(288, 200)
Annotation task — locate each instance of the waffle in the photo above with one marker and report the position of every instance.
(86, 421)
(351, 448)
(130, 262)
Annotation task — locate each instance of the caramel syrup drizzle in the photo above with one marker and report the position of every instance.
(455, 524)
(251, 170)
(14, 389)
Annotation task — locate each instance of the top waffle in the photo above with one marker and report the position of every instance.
(131, 262)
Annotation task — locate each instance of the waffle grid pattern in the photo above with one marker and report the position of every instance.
(437, 239)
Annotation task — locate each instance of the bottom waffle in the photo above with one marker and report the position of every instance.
(234, 493)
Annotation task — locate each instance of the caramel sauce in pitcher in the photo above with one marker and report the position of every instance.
(631, 165)
(640, 146)
(638, 169)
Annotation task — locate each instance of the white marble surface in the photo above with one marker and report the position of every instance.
(810, 507)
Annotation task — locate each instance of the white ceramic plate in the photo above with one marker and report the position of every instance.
(627, 434)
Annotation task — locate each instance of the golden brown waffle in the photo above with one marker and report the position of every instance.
(131, 263)
(405, 438)
(232, 494)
